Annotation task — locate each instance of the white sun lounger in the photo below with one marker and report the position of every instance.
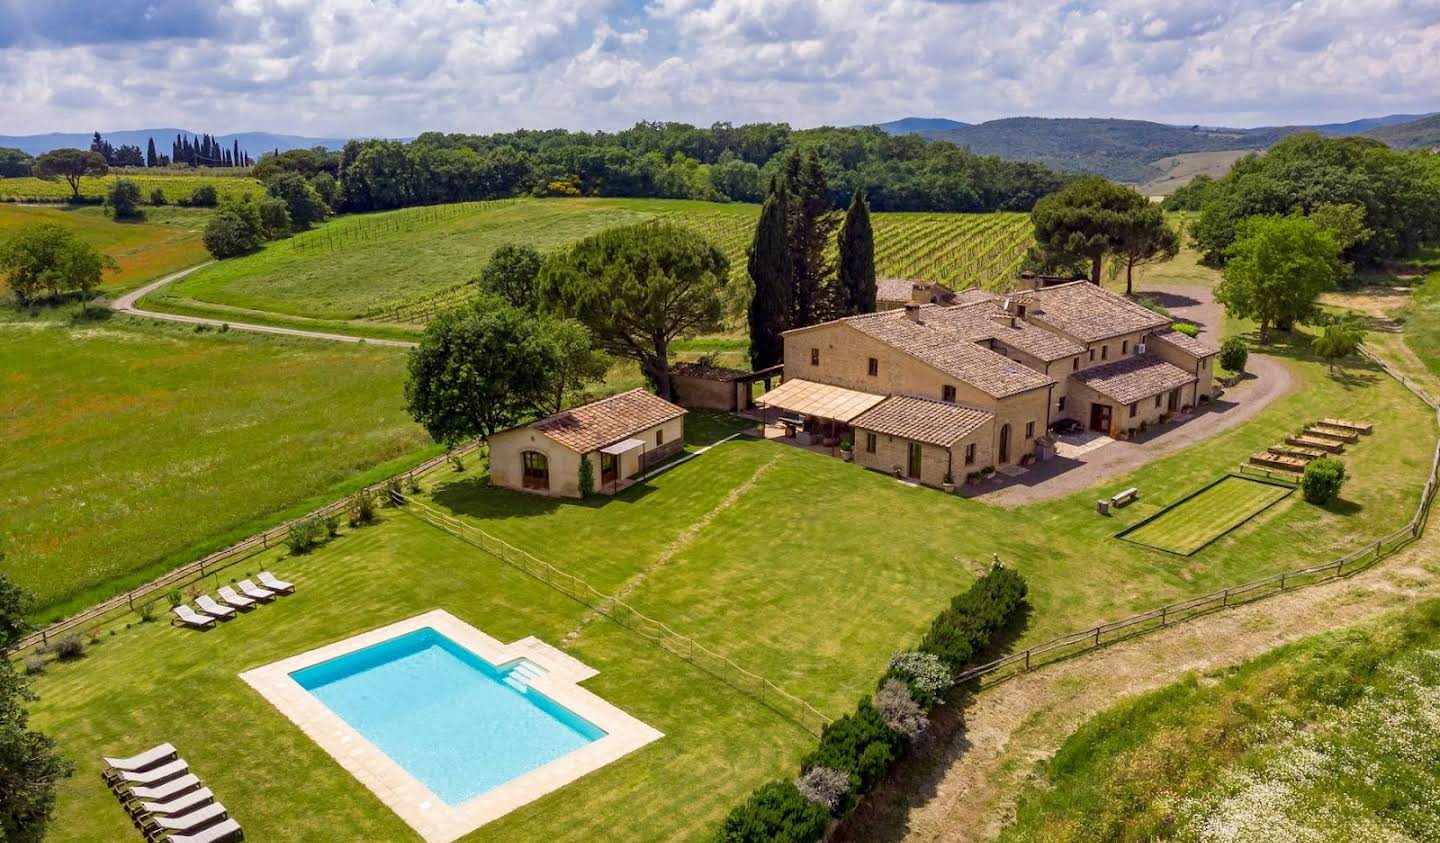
(190, 617)
(168, 790)
(179, 805)
(154, 775)
(148, 758)
(228, 830)
(208, 605)
(250, 589)
(198, 818)
(269, 580)
(229, 596)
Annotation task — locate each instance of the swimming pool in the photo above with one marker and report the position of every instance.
(459, 724)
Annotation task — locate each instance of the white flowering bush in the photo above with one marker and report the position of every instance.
(926, 675)
(824, 786)
(899, 710)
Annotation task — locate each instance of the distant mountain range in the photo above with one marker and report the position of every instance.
(256, 143)
(1128, 150)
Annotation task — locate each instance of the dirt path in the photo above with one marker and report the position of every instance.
(126, 304)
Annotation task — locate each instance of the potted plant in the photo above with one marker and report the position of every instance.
(973, 478)
(847, 449)
(949, 484)
(987, 471)
(896, 469)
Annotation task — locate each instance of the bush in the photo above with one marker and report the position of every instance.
(231, 233)
(847, 744)
(146, 611)
(274, 218)
(1322, 480)
(362, 508)
(587, 477)
(899, 709)
(394, 494)
(824, 786)
(776, 811)
(175, 597)
(457, 463)
(123, 197)
(204, 196)
(69, 648)
(157, 197)
(1186, 328)
(34, 665)
(1233, 354)
(962, 631)
(303, 536)
(926, 675)
(332, 525)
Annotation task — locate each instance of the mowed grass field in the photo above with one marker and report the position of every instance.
(1194, 522)
(167, 240)
(128, 448)
(175, 186)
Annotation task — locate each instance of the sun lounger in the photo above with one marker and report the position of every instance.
(208, 605)
(227, 830)
(154, 775)
(269, 580)
(168, 790)
(196, 819)
(149, 758)
(179, 805)
(190, 617)
(229, 596)
(251, 590)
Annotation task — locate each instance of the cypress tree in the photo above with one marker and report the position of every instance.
(771, 271)
(150, 155)
(812, 227)
(856, 290)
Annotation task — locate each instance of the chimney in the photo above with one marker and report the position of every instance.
(920, 292)
(912, 312)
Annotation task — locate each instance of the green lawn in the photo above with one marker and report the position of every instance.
(176, 186)
(1195, 521)
(1332, 738)
(128, 448)
(167, 240)
(1422, 317)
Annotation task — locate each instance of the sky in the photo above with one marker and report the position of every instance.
(399, 67)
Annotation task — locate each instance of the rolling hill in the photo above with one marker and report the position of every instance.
(1417, 134)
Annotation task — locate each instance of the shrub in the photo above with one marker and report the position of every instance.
(157, 197)
(394, 494)
(232, 232)
(146, 611)
(1322, 480)
(175, 597)
(332, 525)
(274, 217)
(303, 536)
(457, 463)
(587, 477)
(362, 508)
(204, 196)
(123, 197)
(1233, 354)
(846, 745)
(776, 811)
(1186, 328)
(962, 631)
(824, 786)
(899, 709)
(69, 648)
(34, 665)
(926, 675)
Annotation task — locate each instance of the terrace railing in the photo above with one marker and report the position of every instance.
(768, 693)
(1074, 643)
(219, 560)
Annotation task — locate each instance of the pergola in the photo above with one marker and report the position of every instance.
(818, 405)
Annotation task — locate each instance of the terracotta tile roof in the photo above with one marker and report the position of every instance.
(1134, 378)
(971, 295)
(946, 338)
(705, 371)
(1088, 312)
(591, 426)
(822, 400)
(1193, 346)
(900, 289)
(923, 420)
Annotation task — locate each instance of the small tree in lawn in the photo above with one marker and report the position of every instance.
(47, 259)
(637, 288)
(72, 165)
(1340, 339)
(1234, 354)
(123, 197)
(1275, 270)
(1322, 480)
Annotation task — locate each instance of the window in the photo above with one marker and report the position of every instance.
(970, 454)
(947, 393)
(1133, 408)
(814, 357)
(1124, 347)
(1104, 352)
(1061, 406)
(1030, 430)
(659, 437)
(1075, 365)
(873, 368)
(536, 470)
(1157, 401)
(869, 443)
(1020, 311)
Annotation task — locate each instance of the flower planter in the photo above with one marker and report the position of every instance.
(948, 487)
(847, 456)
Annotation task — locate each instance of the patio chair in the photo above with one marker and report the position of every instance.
(168, 790)
(190, 617)
(184, 823)
(149, 758)
(229, 596)
(179, 805)
(255, 592)
(152, 776)
(269, 580)
(227, 830)
(208, 605)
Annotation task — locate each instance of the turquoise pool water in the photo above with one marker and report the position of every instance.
(454, 721)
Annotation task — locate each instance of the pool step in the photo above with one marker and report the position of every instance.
(522, 675)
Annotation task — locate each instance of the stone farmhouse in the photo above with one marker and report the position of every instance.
(938, 393)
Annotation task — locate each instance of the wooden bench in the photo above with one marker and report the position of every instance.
(1327, 445)
(1125, 497)
(1346, 424)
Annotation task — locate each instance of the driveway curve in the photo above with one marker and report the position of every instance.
(126, 304)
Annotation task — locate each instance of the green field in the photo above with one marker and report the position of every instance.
(175, 187)
(128, 448)
(1330, 739)
(400, 266)
(1193, 522)
(167, 240)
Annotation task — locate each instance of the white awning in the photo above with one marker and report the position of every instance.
(623, 446)
(819, 399)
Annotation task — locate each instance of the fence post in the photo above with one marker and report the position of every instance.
(1164, 610)
(1225, 599)
(1282, 582)
(1097, 636)
(1027, 659)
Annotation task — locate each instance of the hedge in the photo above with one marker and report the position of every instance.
(860, 744)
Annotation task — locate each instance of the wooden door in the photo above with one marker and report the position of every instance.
(1004, 445)
(1100, 418)
(913, 468)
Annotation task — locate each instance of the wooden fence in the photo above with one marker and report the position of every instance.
(220, 559)
(767, 692)
(1108, 633)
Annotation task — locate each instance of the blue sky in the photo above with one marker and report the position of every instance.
(387, 67)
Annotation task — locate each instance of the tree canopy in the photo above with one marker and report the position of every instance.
(301, 199)
(1088, 219)
(234, 230)
(48, 259)
(856, 289)
(1145, 238)
(14, 163)
(71, 165)
(1275, 269)
(510, 274)
(772, 279)
(637, 288)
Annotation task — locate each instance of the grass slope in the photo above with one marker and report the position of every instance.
(175, 187)
(127, 448)
(1333, 738)
(1195, 522)
(167, 240)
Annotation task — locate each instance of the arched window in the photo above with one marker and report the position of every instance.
(536, 470)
